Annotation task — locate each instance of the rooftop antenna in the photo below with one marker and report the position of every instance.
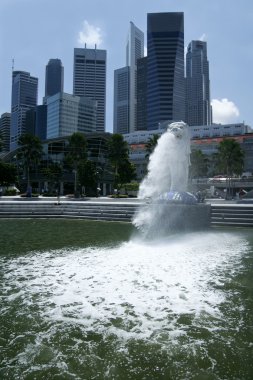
(85, 45)
(12, 66)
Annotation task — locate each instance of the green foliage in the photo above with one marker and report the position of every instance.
(131, 186)
(118, 154)
(30, 152)
(53, 174)
(10, 192)
(199, 164)
(230, 157)
(76, 150)
(88, 176)
(126, 172)
(76, 155)
(117, 151)
(151, 144)
(8, 174)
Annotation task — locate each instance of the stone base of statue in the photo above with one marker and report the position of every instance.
(173, 211)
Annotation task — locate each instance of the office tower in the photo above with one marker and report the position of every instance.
(121, 101)
(54, 77)
(198, 107)
(5, 124)
(36, 121)
(134, 51)
(90, 79)
(125, 84)
(24, 97)
(67, 114)
(142, 94)
(165, 68)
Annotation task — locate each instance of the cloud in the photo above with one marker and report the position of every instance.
(90, 35)
(145, 51)
(224, 111)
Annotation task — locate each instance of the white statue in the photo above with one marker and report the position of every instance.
(169, 163)
(179, 163)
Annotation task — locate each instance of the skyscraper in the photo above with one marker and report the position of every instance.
(165, 68)
(134, 51)
(90, 79)
(67, 114)
(142, 94)
(125, 84)
(198, 106)
(5, 123)
(54, 77)
(121, 101)
(24, 97)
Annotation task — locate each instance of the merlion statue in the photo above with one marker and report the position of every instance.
(169, 163)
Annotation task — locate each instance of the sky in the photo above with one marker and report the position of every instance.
(34, 31)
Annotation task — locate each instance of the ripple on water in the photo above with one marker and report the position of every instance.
(100, 309)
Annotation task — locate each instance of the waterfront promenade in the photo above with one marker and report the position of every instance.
(223, 212)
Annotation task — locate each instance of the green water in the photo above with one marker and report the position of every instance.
(24, 235)
(87, 300)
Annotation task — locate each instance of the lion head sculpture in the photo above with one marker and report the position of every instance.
(179, 129)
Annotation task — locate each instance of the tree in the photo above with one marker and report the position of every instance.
(126, 172)
(151, 144)
(53, 174)
(199, 164)
(117, 154)
(88, 177)
(230, 159)
(76, 154)
(8, 174)
(30, 152)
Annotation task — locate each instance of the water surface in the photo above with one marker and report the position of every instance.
(100, 304)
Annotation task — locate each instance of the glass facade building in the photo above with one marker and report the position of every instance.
(90, 79)
(67, 114)
(125, 84)
(142, 94)
(134, 51)
(198, 105)
(5, 124)
(24, 97)
(121, 100)
(165, 68)
(54, 77)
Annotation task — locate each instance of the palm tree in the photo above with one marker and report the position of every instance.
(117, 153)
(199, 164)
(76, 154)
(230, 159)
(151, 144)
(30, 152)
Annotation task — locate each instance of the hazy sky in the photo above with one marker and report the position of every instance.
(33, 31)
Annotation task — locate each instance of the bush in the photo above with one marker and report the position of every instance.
(131, 186)
(10, 192)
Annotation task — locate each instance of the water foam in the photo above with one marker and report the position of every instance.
(130, 291)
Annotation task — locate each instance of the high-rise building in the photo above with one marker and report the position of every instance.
(67, 114)
(121, 101)
(36, 121)
(198, 106)
(24, 97)
(5, 124)
(142, 94)
(165, 68)
(125, 84)
(90, 79)
(134, 51)
(54, 77)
